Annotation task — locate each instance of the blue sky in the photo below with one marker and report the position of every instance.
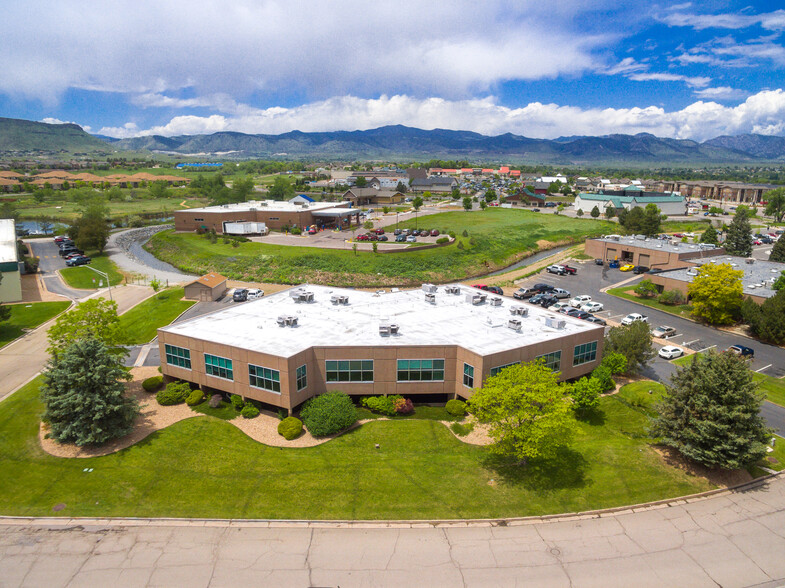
(687, 70)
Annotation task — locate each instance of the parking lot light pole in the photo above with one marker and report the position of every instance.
(104, 275)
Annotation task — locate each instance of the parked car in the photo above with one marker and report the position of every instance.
(540, 287)
(579, 301)
(548, 300)
(378, 231)
(573, 312)
(77, 260)
(742, 350)
(69, 250)
(581, 314)
(480, 286)
(634, 318)
(435, 233)
(596, 320)
(592, 307)
(383, 238)
(254, 293)
(494, 290)
(361, 238)
(670, 352)
(411, 239)
(560, 293)
(555, 269)
(523, 293)
(663, 332)
(613, 264)
(655, 270)
(537, 298)
(400, 238)
(640, 269)
(559, 305)
(397, 231)
(568, 269)
(599, 261)
(627, 267)
(240, 295)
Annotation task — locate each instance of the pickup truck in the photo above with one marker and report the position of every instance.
(634, 318)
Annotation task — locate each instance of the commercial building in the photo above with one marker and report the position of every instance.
(11, 285)
(289, 346)
(372, 196)
(718, 190)
(653, 253)
(629, 198)
(274, 214)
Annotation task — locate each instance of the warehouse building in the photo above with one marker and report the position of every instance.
(653, 253)
(11, 285)
(274, 214)
(293, 345)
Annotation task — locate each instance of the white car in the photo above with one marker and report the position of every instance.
(634, 318)
(558, 306)
(671, 352)
(255, 293)
(579, 301)
(592, 307)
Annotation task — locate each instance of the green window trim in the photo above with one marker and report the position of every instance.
(218, 367)
(348, 371)
(468, 375)
(302, 377)
(420, 370)
(552, 360)
(497, 369)
(584, 353)
(177, 356)
(264, 378)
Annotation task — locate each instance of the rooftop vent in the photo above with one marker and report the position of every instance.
(301, 295)
(692, 271)
(386, 329)
(339, 299)
(514, 324)
(430, 297)
(287, 320)
(428, 288)
(475, 298)
(519, 310)
(555, 322)
(452, 289)
(495, 301)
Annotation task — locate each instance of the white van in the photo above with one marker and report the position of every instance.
(254, 293)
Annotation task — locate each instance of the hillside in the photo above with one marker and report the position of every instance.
(18, 135)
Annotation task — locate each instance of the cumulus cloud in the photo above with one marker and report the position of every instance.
(721, 93)
(773, 21)
(318, 49)
(56, 121)
(761, 113)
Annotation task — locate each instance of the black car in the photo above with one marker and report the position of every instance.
(240, 295)
(78, 260)
(655, 270)
(69, 250)
(598, 261)
(581, 314)
(494, 290)
(523, 293)
(537, 298)
(596, 320)
(742, 350)
(640, 269)
(542, 287)
(548, 300)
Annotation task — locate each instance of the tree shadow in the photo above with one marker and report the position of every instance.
(593, 416)
(566, 469)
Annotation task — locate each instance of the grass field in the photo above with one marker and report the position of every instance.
(28, 316)
(497, 238)
(83, 278)
(696, 226)
(205, 467)
(139, 324)
(66, 211)
(684, 310)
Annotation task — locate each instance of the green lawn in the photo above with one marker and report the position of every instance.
(776, 459)
(205, 467)
(83, 278)
(139, 325)
(696, 226)
(684, 310)
(497, 238)
(773, 387)
(64, 210)
(28, 316)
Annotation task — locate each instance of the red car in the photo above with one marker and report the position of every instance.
(361, 238)
(435, 233)
(378, 231)
(480, 286)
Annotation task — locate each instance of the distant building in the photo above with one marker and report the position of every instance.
(208, 288)
(434, 184)
(11, 286)
(372, 196)
(629, 198)
(652, 253)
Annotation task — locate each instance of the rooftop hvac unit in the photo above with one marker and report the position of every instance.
(301, 295)
(514, 324)
(287, 320)
(428, 288)
(519, 310)
(386, 329)
(692, 272)
(495, 301)
(339, 299)
(452, 289)
(430, 297)
(752, 286)
(555, 322)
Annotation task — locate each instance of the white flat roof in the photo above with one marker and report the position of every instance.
(271, 205)
(671, 246)
(450, 321)
(7, 240)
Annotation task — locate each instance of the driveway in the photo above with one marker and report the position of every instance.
(49, 254)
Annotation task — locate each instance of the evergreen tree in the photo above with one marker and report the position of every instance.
(778, 251)
(766, 321)
(595, 212)
(711, 414)
(710, 236)
(651, 221)
(739, 241)
(85, 397)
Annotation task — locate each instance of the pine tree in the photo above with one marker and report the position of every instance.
(710, 236)
(711, 414)
(778, 251)
(595, 212)
(85, 397)
(739, 240)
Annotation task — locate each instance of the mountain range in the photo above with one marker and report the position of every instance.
(401, 143)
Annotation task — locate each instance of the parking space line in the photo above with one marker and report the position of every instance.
(691, 342)
(763, 368)
(614, 316)
(706, 349)
(676, 335)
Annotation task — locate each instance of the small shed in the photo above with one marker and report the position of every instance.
(207, 288)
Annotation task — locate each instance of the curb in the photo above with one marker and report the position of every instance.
(80, 522)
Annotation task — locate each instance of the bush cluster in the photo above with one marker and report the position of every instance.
(290, 428)
(456, 407)
(174, 393)
(462, 430)
(388, 405)
(442, 240)
(153, 384)
(328, 413)
(195, 397)
(237, 401)
(249, 411)
(672, 297)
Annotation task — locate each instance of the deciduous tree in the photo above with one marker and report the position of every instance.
(711, 414)
(766, 321)
(716, 293)
(467, 203)
(528, 410)
(92, 319)
(633, 342)
(417, 203)
(85, 397)
(281, 189)
(775, 203)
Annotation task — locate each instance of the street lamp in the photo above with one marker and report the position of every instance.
(104, 275)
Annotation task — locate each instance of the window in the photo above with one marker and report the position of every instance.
(220, 367)
(553, 360)
(198, 220)
(354, 370)
(302, 378)
(275, 218)
(585, 353)
(420, 370)
(178, 356)
(264, 378)
(496, 370)
(468, 375)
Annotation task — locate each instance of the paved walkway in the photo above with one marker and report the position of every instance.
(125, 249)
(731, 539)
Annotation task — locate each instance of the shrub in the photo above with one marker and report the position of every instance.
(282, 414)
(586, 393)
(174, 393)
(456, 407)
(465, 233)
(443, 240)
(403, 406)
(237, 401)
(195, 397)
(249, 411)
(603, 376)
(380, 404)
(290, 428)
(646, 289)
(672, 297)
(615, 362)
(216, 400)
(153, 384)
(328, 413)
(462, 430)
(297, 231)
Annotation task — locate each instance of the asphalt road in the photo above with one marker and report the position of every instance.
(50, 261)
(769, 359)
